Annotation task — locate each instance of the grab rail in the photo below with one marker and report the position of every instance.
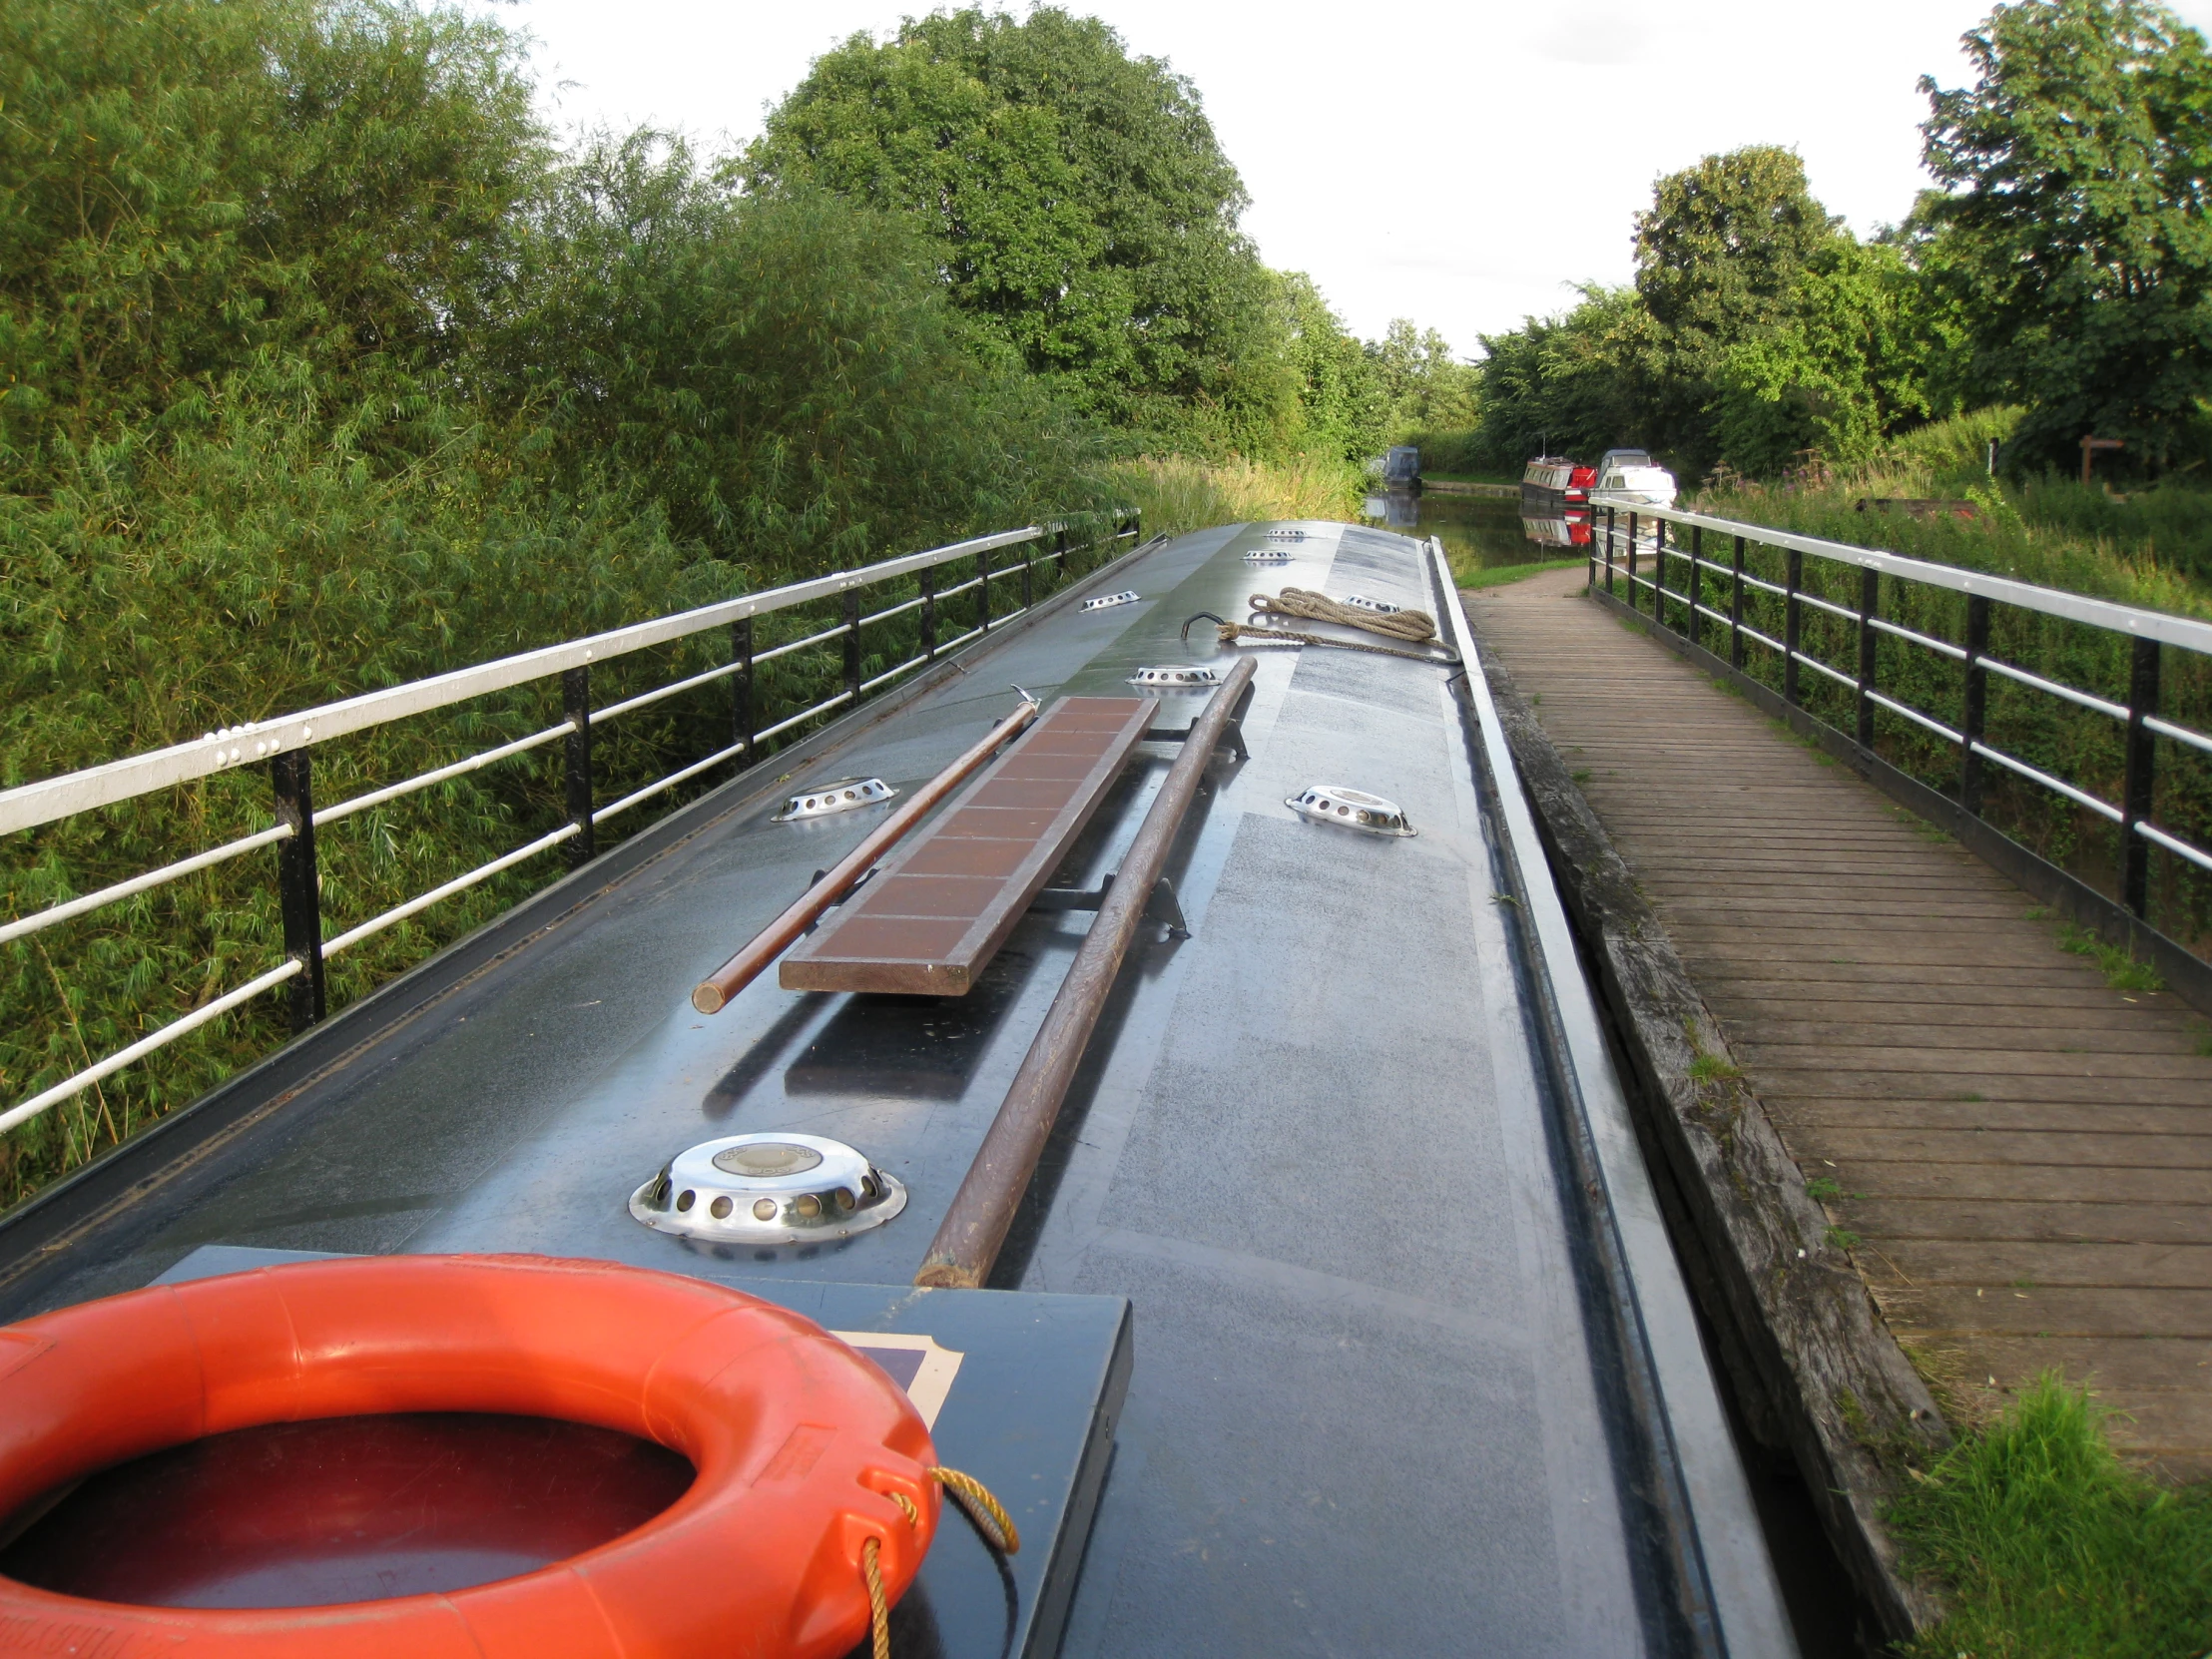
(286, 744)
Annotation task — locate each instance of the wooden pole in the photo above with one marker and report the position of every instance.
(974, 1227)
(714, 992)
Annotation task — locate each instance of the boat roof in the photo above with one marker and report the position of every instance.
(1403, 1362)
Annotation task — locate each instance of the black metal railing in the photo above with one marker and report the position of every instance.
(1929, 709)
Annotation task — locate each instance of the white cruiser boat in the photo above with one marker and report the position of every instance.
(1631, 478)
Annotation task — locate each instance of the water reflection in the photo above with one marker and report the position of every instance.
(1483, 531)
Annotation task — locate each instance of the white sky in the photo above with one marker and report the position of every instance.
(1459, 164)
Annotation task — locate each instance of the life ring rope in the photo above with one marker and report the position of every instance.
(976, 1502)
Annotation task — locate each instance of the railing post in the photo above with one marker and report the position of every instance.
(742, 720)
(1659, 571)
(1736, 608)
(2135, 792)
(852, 643)
(298, 886)
(1870, 598)
(983, 589)
(1791, 624)
(929, 612)
(1974, 713)
(1029, 573)
(1697, 563)
(1633, 602)
(1608, 550)
(576, 704)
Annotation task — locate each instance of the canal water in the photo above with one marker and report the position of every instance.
(1480, 532)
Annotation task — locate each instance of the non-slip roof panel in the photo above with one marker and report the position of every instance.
(939, 908)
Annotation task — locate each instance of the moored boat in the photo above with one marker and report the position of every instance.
(1559, 476)
(1631, 478)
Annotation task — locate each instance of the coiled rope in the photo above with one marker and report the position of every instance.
(974, 1498)
(1413, 627)
(1228, 633)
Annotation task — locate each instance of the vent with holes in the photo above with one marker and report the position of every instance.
(1176, 677)
(843, 796)
(1359, 602)
(1350, 810)
(769, 1189)
(1126, 597)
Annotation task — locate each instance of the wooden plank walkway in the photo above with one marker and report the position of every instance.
(2024, 1152)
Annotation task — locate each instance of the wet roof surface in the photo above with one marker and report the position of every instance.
(1309, 1142)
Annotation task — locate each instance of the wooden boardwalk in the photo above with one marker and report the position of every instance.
(2024, 1153)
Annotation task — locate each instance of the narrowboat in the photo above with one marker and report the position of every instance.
(1104, 1149)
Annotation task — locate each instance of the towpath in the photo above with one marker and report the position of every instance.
(2024, 1152)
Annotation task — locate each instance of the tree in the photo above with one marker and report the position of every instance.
(1343, 408)
(1078, 203)
(1576, 385)
(1424, 386)
(1718, 254)
(783, 376)
(1840, 363)
(2074, 220)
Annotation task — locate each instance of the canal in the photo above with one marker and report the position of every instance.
(1480, 532)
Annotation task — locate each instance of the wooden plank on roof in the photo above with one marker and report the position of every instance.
(935, 914)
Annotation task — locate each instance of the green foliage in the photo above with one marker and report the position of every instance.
(1840, 363)
(2053, 1547)
(1344, 407)
(779, 372)
(1424, 387)
(190, 185)
(2075, 226)
(1080, 206)
(1575, 384)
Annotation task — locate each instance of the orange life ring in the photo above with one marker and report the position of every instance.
(799, 1442)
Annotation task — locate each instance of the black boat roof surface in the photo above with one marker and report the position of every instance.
(1322, 1145)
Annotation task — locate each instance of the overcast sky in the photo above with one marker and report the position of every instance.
(1459, 164)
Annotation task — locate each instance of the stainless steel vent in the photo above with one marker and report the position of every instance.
(1286, 535)
(1128, 595)
(1176, 675)
(1359, 602)
(845, 795)
(1350, 810)
(769, 1190)
(1266, 555)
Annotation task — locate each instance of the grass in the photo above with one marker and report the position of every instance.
(1824, 1189)
(2052, 1548)
(1494, 576)
(1177, 494)
(2122, 971)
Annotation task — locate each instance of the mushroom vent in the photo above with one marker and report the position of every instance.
(1286, 535)
(1266, 555)
(1351, 809)
(1128, 595)
(1176, 677)
(769, 1189)
(1359, 602)
(843, 796)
